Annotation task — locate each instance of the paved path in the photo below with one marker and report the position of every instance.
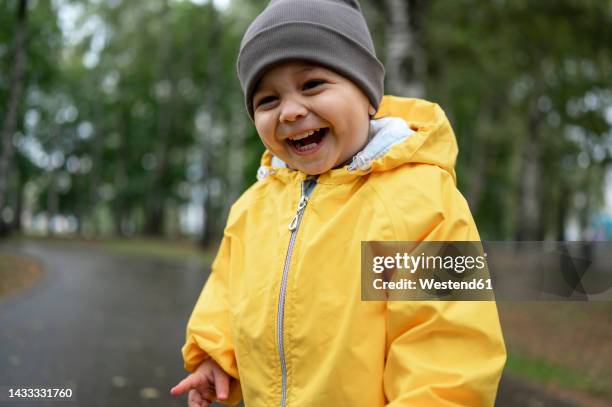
(110, 328)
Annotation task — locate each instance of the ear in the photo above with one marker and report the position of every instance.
(372, 111)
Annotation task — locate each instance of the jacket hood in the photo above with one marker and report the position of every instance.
(432, 141)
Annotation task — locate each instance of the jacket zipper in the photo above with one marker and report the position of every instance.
(307, 187)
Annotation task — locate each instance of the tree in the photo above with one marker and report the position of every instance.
(14, 101)
(405, 59)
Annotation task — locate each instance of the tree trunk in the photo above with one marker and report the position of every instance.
(95, 175)
(155, 214)
(121, 176)
(215, 208)
(529, 222)
(236, 154)
(15, 95)
(482, 150)
(585, 213)
(210, 209)
(52, 203)
(208, 212)
(17, 203)
(562, 211)
(405, 61)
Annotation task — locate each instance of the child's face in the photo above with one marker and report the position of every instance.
(295, 98)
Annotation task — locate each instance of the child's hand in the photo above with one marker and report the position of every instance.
(207, 380)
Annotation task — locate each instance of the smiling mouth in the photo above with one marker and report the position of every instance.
(308, 143)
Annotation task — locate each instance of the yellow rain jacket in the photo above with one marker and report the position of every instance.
(281, 311)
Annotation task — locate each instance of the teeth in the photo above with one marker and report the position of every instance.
(308, 147)
(304, 135)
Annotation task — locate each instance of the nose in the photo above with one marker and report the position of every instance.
(291, 110)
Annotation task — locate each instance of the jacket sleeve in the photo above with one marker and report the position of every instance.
(444, 353)
(208, 329)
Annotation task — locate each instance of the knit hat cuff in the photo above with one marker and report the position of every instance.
(314, 43)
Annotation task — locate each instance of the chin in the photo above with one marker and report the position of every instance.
(314, 170)
(310, 171)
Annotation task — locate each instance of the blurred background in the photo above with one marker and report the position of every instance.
(124, 140)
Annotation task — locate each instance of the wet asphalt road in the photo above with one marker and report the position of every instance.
(110, 327)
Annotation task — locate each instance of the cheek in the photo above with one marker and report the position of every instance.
(264, 130)
(340, 111)
(266, 135)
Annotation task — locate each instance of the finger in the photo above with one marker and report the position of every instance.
(206, 398)
(206, 403)
(221, 383)
(201, 399)
(194, 399)
(184, 385)
(206, 393)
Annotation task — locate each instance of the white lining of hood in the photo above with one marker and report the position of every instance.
(385, 133)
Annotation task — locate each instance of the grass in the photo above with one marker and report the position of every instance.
(550, 373)
(564, 345)
(177, 249)
(171, 250)
(16, 273)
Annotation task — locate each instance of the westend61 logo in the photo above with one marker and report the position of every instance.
(409, 271)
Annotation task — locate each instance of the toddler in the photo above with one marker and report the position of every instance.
(280, 321)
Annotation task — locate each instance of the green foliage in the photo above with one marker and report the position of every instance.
(501, 68)
(548, 373)
(133, 109)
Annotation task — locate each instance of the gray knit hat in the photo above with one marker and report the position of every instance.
(331, 33)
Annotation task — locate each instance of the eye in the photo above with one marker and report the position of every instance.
(264, 100)
(312, 84)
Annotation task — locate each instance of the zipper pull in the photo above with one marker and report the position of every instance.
(300, 208)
